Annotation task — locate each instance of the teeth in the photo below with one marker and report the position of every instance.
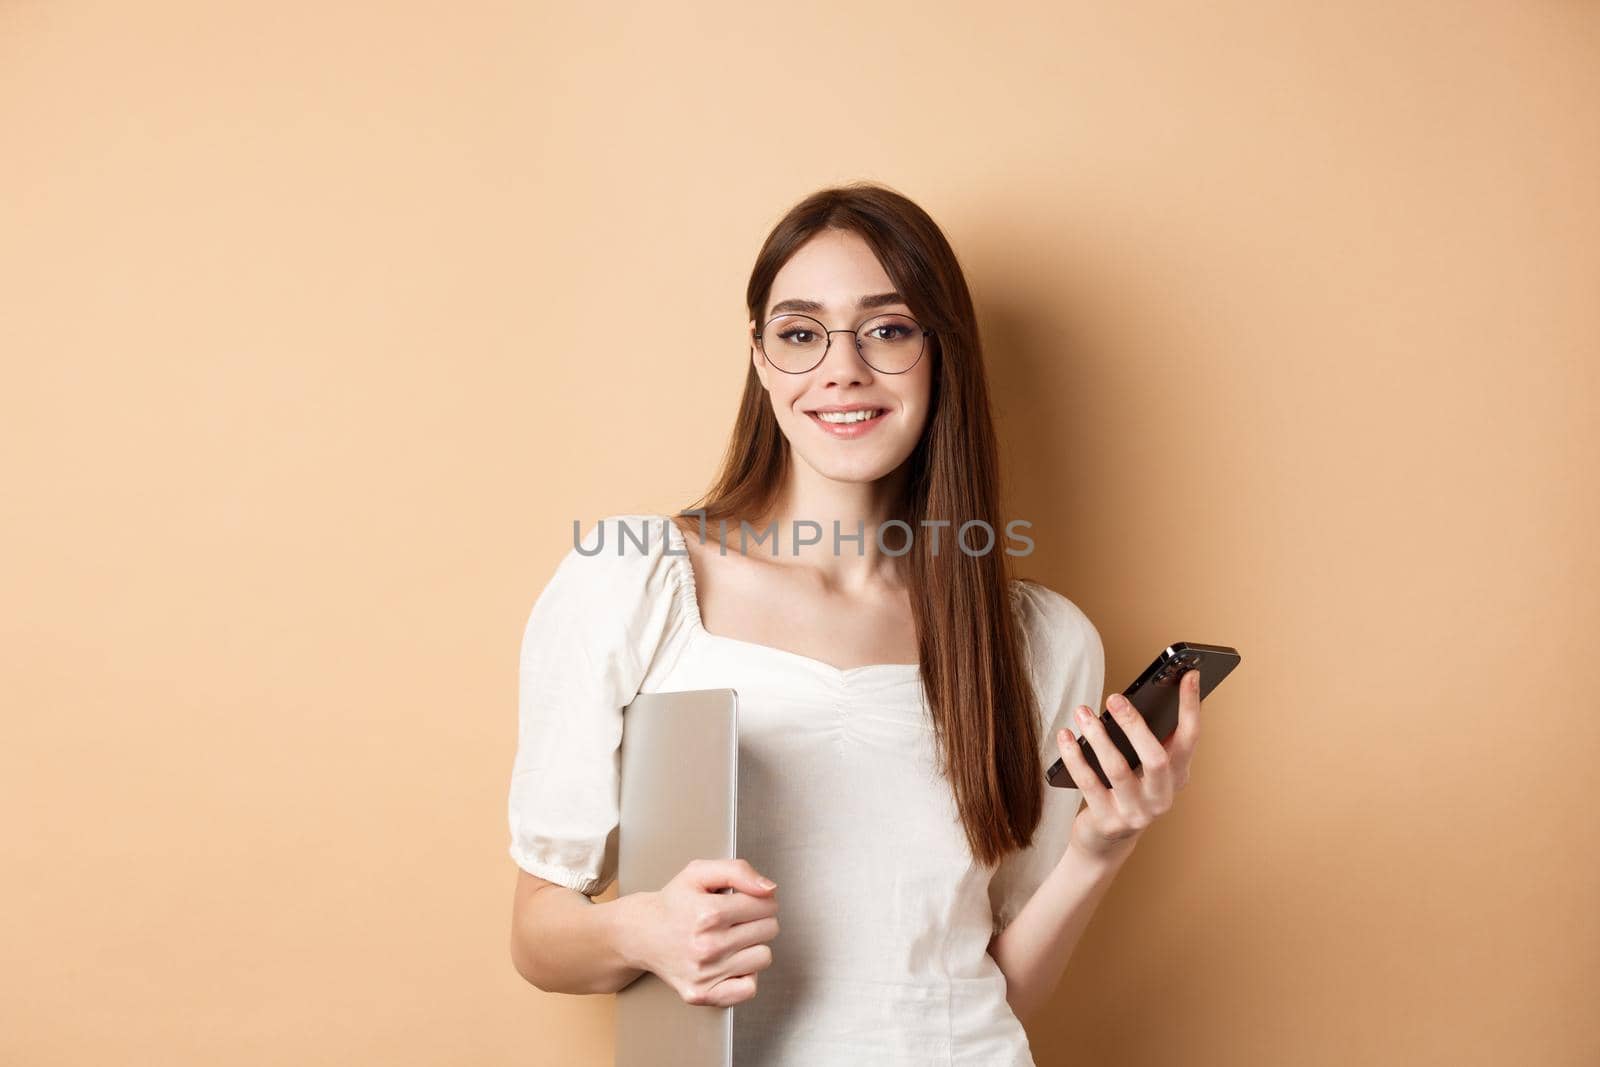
(847, 416)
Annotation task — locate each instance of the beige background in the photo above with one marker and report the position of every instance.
(321, 322)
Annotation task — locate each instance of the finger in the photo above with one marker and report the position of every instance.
(755, 932)
(1153, 760)
(751, 960)
(1187, 734)
(1095, 794)
(736, 874)
(732, 991)
(738, 907)
(1111, 760)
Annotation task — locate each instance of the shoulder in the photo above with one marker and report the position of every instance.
(618, 547)
(1060, 634)
(616, 591)
(621, 560)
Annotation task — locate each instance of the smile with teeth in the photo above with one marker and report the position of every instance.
(842, 417)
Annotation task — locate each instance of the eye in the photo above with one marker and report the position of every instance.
(799, 336)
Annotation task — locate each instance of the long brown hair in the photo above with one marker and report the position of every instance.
(982, 704)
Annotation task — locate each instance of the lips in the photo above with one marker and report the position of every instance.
(848, 429)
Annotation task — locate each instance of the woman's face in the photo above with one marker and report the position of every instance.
(837, 269)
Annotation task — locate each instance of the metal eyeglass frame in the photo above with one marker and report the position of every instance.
(926, 333)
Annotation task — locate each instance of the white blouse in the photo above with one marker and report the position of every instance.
(885, 915)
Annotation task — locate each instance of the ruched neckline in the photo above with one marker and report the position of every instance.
(683, 570)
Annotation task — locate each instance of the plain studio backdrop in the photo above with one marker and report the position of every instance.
(322, 322)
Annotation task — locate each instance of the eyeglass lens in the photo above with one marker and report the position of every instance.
(889, 343)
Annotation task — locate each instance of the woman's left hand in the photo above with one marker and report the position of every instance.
(1111, 820)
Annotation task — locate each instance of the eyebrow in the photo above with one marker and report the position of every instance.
(811, 307)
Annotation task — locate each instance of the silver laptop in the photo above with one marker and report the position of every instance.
(679, 802)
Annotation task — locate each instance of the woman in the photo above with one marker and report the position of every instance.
(899, 695)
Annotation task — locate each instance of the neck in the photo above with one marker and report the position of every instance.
(810, 505)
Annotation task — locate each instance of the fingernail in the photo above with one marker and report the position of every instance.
(766, 883)
(1083, 715)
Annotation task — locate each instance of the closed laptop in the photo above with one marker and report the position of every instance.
(679, 802)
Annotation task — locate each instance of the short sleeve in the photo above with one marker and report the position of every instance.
(1068, 662)
(589, 640)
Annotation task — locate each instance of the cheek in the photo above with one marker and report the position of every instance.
(784, 396)
(917, 402)
(919, 394)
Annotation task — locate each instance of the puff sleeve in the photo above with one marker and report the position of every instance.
(1068, 662)
(587, 644)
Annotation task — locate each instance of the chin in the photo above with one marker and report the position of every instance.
(849, 461)
(864, 469)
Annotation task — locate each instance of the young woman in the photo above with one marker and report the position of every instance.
(900, 695)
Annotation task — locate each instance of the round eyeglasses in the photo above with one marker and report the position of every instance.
(891, 344)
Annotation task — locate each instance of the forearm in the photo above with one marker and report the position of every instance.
(1033, 950)
(563, 942)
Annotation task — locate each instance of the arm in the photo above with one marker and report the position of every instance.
(590, 632)
(1033, 949)
(709, 946)
(563, 942)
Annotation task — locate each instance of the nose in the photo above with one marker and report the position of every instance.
(843, 362)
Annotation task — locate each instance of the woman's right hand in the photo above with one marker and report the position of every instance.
(707, 945)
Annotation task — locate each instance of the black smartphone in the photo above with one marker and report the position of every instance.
(1155, 694)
